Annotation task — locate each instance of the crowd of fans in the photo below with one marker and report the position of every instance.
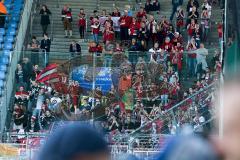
(147, 81)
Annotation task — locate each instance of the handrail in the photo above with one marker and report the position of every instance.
(52, 23)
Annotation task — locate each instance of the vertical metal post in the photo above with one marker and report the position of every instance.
(221, 109)
(94, 79)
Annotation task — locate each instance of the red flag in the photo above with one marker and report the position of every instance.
(48, 73)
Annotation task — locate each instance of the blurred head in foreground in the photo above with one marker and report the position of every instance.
(188, 147)
(75, 142)
(230, 141)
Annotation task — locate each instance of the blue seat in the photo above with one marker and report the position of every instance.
(2, 31)
(4, 60)
(6, 53)
(15, 19)
(1, 39)
(2, 75)
(11, 31)
(10, 39)
(13, 24)
(8, 46)
(3, 67)
(1, 85)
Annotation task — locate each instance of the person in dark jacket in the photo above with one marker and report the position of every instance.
(175, 4)
(75, 48)
(45, 46)
(45, 20)
(148, 6)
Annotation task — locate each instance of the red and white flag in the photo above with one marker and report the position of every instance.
(48, 74)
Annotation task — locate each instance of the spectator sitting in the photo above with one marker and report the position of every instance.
(75, 48)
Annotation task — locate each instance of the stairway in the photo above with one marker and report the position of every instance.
(60, 45)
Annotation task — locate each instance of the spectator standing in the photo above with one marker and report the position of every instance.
(34, 46)
(175, 4)
(148, 6)
(95, 29)
(45, 20)
(116, 13)
(205, 22)
(156, 5)
(191, 47)
(180, 18)
(67, 20)
(21, 78)
(81, 23)
(201, 53)
(75, 48)
(45, 46)
(124, 21)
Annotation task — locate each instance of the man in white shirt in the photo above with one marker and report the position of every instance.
(202, 53)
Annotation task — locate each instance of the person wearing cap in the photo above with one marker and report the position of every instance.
(75, 142)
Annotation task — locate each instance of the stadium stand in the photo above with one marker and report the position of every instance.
(149, 86)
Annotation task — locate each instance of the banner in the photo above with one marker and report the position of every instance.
(84, 76)
(116, 25)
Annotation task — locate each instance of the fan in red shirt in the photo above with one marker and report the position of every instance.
(177, 38)
(220, 33)
(140, 14)
(191, 28)
(167, 45)
(95, 48)
(95, 29)
(108, 33)
(124, 21)
(74, 91)
(179, 49)
(81, 23)
(134, 28)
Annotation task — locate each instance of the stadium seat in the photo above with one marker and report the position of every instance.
(2, 31)
(3, 67)
(11, 31)
(1, 38)
(10, 39)
(13, 24)
(2, 75)
(6, 53)
(15, 19)
(4, 60)
(1, 85)
(8, 46)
